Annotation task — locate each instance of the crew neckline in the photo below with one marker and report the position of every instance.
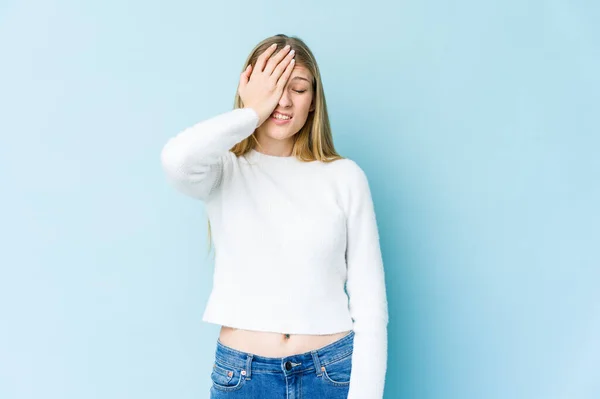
(272, 156)
(255, 155)
(276, 158)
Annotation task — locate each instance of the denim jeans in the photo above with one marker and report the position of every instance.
(320, 373)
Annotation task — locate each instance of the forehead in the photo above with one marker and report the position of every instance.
(301, 74)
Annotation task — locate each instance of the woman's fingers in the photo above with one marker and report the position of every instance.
(245, 76)
(276, 59)
(281, 67)
(262, 59)
(286, 74)
(261, 85)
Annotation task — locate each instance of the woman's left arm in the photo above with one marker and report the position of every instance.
(366, 291)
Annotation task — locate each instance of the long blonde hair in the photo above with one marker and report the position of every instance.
(314, 140)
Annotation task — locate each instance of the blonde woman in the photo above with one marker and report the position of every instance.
(298, 286)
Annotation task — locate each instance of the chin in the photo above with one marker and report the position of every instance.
(279, 133)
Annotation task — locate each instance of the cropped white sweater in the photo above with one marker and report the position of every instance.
(297, 243)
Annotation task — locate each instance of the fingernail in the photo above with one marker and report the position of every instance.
(287, 46)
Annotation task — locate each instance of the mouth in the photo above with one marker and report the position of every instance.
(280, 118)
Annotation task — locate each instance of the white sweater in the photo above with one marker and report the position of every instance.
(288, 236)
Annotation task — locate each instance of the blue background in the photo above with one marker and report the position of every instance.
(476, 122)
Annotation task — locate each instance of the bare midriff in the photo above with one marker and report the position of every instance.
(271, 344)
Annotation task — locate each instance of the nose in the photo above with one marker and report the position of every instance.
(285, 101)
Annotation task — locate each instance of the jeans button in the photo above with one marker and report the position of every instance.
(288, 365)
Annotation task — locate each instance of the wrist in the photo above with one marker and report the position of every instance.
(262, 116)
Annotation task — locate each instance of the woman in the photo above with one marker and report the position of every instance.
(298, 285)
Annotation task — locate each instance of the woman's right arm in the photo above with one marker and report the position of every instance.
(193, 159)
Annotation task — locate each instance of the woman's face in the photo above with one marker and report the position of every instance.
(296, 101)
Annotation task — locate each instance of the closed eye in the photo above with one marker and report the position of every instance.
(299, 91)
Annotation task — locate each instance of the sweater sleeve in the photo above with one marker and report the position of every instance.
(366, 290)
(193, 159)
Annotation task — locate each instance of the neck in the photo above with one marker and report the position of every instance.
(270, 146)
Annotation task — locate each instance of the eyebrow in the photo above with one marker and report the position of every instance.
(300, 77)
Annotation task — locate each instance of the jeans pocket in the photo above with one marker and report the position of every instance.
(338, 371)
(226, 378)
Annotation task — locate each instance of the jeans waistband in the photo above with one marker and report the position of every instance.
(313, 359)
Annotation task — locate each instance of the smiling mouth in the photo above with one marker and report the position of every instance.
(281, 117)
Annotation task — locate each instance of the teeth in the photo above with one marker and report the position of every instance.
(279, 116)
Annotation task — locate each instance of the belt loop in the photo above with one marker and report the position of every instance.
(315, 356)
(249, 366)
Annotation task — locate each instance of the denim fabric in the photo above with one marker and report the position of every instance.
(320, 373)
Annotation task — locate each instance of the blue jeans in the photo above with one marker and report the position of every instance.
(320, 373)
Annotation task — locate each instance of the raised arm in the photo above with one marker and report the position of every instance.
(367, 293)
(193, 159)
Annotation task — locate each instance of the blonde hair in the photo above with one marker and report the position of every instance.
(314, 140)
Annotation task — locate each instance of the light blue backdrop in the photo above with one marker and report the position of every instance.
(476, 122)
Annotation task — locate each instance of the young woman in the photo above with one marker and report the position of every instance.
(298, 284)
